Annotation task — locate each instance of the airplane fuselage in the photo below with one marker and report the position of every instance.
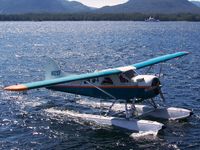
(119, 86)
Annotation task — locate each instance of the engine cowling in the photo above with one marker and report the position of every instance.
(151, 84)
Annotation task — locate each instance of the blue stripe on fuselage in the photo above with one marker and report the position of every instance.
(119, 92)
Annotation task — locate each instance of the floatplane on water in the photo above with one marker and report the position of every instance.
(122, 83)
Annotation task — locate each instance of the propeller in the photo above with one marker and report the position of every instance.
(160, 91)
(156, 83)
(159, 75)
(161, 95)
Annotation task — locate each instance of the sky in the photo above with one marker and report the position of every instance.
(101, 3)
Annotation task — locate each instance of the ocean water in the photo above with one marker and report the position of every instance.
(81, 47)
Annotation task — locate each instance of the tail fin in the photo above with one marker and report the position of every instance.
(52, 70)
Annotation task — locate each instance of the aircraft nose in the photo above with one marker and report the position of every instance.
(156, 83)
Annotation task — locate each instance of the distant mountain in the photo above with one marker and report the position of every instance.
(64, 6)
(197, 3)
(41, 6)
(152, 6)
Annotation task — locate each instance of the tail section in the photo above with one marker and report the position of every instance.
(52, 70)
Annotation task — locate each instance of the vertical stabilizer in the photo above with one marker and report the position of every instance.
(52, 70)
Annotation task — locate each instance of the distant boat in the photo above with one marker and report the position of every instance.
(151, 19)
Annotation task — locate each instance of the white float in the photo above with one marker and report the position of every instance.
(170, 113)
(138, 126)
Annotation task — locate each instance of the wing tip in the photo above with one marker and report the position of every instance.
(19, 87)
(186, 52)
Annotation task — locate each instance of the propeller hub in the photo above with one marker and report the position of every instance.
(156, 85)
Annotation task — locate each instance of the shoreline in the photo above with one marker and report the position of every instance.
(98, 17)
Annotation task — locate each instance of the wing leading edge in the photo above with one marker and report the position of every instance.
(159, 59)
(47, 83)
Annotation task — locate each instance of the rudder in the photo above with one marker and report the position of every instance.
(52, 70)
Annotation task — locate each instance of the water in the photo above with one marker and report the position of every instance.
(84, 47)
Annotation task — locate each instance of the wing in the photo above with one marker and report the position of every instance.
(159, 59)
(67, 79)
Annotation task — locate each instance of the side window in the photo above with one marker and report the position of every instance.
(94, 80)
(86, 82)
(130, 74)
(122, 79)
(107, 81)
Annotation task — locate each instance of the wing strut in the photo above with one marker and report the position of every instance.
(103, 91)
(106, 93)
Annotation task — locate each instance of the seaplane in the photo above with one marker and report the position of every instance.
(126, 96)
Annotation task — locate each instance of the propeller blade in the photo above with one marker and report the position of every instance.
(162, 96)
(160, 71)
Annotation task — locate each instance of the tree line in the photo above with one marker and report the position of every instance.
(98, 17)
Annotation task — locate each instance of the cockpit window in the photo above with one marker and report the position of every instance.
(130, 74)
(122, 79)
